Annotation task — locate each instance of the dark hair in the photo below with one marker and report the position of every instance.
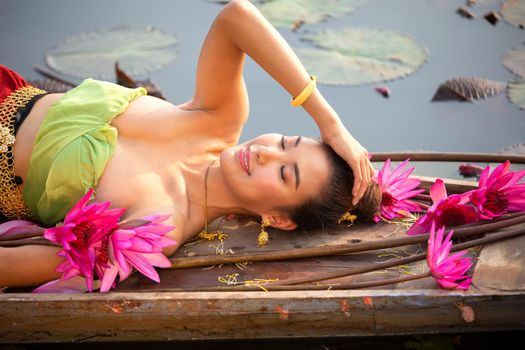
(326, 208)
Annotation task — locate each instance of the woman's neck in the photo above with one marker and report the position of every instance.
(210, 191)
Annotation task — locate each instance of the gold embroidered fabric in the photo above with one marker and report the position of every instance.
(11, 200)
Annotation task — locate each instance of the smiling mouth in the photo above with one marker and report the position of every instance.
(244, 159)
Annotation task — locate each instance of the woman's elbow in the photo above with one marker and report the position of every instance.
(170, 250)
(236, 10)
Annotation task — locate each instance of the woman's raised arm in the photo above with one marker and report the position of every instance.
(240, 28)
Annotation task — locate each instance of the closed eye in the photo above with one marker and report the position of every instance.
(282, 173)
(282, 142)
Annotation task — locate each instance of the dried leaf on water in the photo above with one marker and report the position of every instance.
(513, 11)
(125, 80)
(354, 56)
(516, 93)
(138, 50)
(492, 17)
(517, 148)
(383, 90)
(514, 60)
(286, 13)
(465, 12)
(467, 89)
(51, 85)
(470, 170)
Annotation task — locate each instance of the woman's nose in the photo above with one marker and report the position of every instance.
(266, 154)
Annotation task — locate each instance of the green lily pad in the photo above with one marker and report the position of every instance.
(354, 56)
(513, 11)
(138, 51)
(514, 60)
(285, 13)
(516, 93)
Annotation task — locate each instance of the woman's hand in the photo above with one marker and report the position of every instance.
(348, 148)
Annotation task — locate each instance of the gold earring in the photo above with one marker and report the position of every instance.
(263, 236)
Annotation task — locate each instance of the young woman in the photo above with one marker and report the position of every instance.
(156, 157)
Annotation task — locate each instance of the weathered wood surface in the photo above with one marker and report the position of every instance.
(244, 239)
(220, 315)
(142, 310)
(501, 267)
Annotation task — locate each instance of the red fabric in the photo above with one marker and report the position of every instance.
(10, 81)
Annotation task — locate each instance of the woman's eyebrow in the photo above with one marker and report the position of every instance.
(297, 177)
(297, 141)
(295, 166)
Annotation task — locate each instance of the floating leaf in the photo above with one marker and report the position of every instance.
(138, 50)
(492, 17)
(383, 90)
(51, 85)
(125, 80)
(470, 170)
(354, 56)
(465, 12)
(287, 13)
(513, 11)
(516, 93)
(517, 148)
(467, 89)
(514, 60)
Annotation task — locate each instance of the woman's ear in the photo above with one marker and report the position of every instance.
(282, 222)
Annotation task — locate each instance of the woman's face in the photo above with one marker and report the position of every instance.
(273, 171)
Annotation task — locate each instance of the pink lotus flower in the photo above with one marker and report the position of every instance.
(82, 235)
(396, 189)
(445, 211)
(139, 247)
(383, 90)
(449, 271)
(75, 284)
(16, 229)
(498, 192)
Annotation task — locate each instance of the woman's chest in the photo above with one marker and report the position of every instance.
(143, 174)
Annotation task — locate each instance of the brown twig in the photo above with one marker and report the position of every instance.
(422, 205)
(403, 261)
(299, 283)
(53, 75)
(271, 287)
(448, 157)
(460, 231)
(423, 197)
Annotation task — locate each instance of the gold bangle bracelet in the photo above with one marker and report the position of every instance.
(307, 91)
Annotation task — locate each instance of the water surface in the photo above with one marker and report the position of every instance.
(408, 120)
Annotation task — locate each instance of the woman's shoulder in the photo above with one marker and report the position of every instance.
(152, 118)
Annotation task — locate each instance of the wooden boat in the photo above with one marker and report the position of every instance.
(187, 304)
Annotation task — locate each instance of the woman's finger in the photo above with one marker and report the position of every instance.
(357, 182)
(371, 169)
(364, 182)
(368, 175)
